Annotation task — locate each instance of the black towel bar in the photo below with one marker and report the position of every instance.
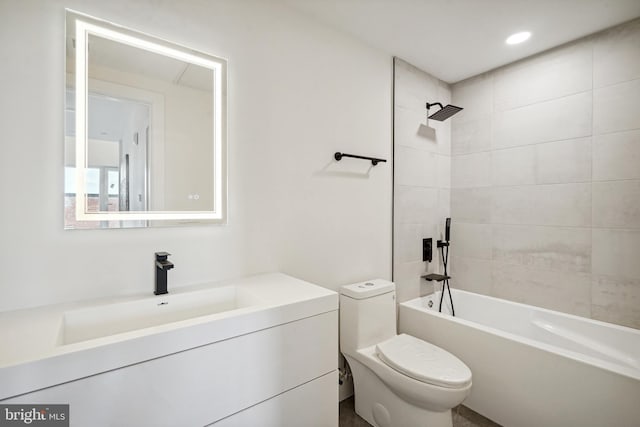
(374, 161)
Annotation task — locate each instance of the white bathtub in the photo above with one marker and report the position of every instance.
(535, 367)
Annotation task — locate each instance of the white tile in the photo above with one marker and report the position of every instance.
(471, 170)
(443, 165)
(616, 108)
(544, 248)
(556, 204)
(415, 167)
(443, 136)
(471, 240)
(616, 300)
(566, 292)
(513, 166)
(471, 136)
(414, 204)
(408, 242)
(563, 161)
(444, 93)
(409, 285)
(616, 55)
(410, 130)
(471, 204)
(616, 252)
(553, 74)
(616, 204)
(559, 119)
(616, 156)
(474, 95)
(408, 237)
(413, 87)
(471, 274)
(444, 203)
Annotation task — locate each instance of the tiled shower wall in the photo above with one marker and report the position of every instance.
(422, 172)
(545, 177)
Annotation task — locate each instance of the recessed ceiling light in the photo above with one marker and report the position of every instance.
(518, 37)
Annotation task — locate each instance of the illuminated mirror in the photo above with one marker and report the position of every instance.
(145, 136)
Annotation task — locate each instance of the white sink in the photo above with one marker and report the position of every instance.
(110, 319)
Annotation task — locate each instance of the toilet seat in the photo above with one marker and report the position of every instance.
(424, 362)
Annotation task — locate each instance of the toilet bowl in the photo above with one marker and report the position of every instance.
(399, 380)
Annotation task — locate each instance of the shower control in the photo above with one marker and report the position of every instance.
(427, 249)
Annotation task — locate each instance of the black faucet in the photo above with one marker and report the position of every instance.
(162, 266)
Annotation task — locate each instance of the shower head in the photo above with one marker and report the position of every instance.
(444, 112)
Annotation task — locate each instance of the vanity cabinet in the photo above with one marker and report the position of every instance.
(253, 351)
(284, 375)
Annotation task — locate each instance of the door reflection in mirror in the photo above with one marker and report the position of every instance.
(150, 112)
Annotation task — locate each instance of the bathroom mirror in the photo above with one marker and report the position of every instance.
(145, 136)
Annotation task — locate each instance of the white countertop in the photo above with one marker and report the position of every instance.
(32, 356)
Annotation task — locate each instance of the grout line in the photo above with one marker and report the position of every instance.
(490, 187)
(577, 227)
(490, 150)
(613, 84)
(591, 135)
(542, 101)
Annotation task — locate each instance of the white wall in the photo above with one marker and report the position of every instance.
(545, 196)
(421, 177)
(298, 92)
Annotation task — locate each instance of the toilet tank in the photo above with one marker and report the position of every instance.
(367, 314)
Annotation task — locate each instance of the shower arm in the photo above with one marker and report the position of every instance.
(432, 104)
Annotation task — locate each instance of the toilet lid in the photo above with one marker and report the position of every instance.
(423, 361)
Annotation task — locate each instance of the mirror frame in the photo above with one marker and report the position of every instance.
(86, 25)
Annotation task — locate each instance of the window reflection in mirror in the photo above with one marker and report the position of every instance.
(151, 119)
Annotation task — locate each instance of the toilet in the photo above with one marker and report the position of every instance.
(399, 380)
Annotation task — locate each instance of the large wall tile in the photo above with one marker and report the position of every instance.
(471, 170)
(408, 130)
(472, 135)
(444, 204)
(471, 240)
(616, 300)
(566, 292)
(557, 204)
(470, 274)
(411, 130)
(564, 191)
(475, 95)
(615, 253)
(413, 87)
(409, 285)
(616, 55)
(513, 166)
(554, 74)
(616, 108)
(408, 242)
(471, 204)
(422, 177)
(414, 204)
(616, 204)
(563, 161)
(545, 248)
(415, 167)
(558, 119)
(443, 166)
(616, 156)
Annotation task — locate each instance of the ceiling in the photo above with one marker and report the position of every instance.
(457, 39)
